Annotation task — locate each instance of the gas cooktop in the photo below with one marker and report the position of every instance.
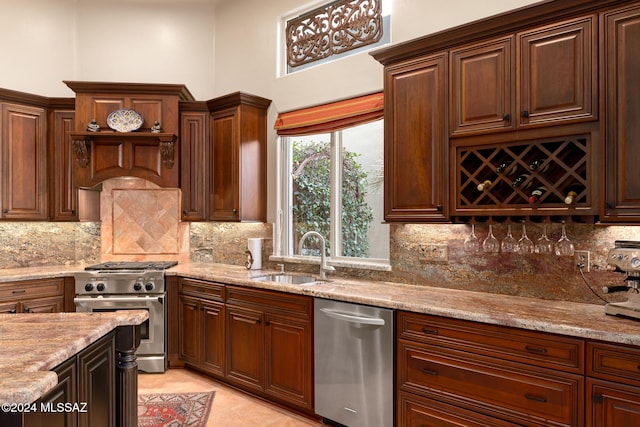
(132, 265)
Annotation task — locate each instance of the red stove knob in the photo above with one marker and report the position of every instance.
(100, 287)
(88, 287)
(137, 286)
(149, 286)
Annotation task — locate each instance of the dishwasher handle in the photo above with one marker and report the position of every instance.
(353, 318)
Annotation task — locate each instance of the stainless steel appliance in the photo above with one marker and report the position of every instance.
(353, 363)
(115, 286)
(625, 257)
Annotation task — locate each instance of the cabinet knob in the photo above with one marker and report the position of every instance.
(12, 311)
(524, 114)
(185, 212)
(27, 309)
(235, 211)
(439, 208)
(506, 117)
(5, 210)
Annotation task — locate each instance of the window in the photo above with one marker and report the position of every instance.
(334, 30)
(332, 182)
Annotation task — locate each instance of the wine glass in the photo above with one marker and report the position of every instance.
(509, 244)
(490, 243)
(472, 243)
(564, 246)
(544, 245)
(525, 244)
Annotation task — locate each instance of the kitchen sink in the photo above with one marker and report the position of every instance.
(290, 279)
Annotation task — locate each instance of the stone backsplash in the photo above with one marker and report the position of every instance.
(25, 244)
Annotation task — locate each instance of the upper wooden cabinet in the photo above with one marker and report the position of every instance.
(23, 162)
(525, 86)
(415, 141)
(63, 201)
(543, 76)
(143, 154)
(621, 81)
(483, 86)
(238, 172)
(194, 160)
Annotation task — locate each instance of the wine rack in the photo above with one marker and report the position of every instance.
(563, 165)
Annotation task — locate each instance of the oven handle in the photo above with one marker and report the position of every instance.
(142, 298)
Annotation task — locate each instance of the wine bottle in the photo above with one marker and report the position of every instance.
(536, 164)
(504, 168)
(571, 192)
(484, 185)
(520, 179)
(537, 193)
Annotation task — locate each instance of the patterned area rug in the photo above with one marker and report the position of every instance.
(174, 410)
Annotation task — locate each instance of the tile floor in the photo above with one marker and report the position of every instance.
(231, 408)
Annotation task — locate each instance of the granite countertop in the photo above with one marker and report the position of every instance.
(560, 317)
(34, 343)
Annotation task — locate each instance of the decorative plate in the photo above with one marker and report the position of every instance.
(124, 120)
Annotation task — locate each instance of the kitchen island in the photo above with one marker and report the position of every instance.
(50, 361)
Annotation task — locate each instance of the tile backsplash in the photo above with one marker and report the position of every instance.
(142, 221)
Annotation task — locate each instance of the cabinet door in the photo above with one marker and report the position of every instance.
(415, 141)
(96, 383)
(190, 329)
(64, 201)
(483, 87)
(23, 163)
(245, 347)
(225, 188)
(622, 90)
(43, 305)
(193, 160)
(213, 337)
(64, 392)
(611, 404)
(558, 73)
(8, 307)
(289, 369)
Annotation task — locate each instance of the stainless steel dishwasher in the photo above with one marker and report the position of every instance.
(353, 363)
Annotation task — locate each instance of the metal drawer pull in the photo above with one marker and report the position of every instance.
(19, 291)
(536, 349)
(429, 372)
(535, 398)
(430, 331)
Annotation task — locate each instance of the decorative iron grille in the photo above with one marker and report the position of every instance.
(336, 28)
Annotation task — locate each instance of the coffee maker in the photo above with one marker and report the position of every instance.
(625, 258)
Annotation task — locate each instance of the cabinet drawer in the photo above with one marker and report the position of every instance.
(419, 412)
(535, 348)
(199, 288)
(31, 289)
(271, 301)
(516, 392)
(614, 362)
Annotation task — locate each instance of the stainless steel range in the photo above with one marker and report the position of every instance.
(625, 257)
(112, 286)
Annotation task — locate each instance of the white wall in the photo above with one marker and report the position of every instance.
(159, 41)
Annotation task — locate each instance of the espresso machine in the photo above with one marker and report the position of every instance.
(625, 258)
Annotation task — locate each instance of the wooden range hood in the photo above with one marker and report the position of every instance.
(144, 154)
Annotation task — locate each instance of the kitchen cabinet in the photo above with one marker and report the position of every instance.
(238, 132)
(515, 376)
(33, 296)
(613, 385)
(86, 378)
(23, 162)
(269, 344)
(415, 150)
(202, 325)
(64, 193)
(621, 82)
(194, 160)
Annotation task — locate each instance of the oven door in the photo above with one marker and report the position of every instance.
(152, 331)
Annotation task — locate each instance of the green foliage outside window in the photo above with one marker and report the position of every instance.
(312, 197)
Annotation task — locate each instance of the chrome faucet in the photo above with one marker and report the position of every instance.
(323, 260)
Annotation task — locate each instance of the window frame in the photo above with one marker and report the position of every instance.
(283, 228)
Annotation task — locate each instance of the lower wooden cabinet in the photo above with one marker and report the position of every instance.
(613, 385)
(32, 296)
(482, 380)
(87, 378)
(258, 340)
